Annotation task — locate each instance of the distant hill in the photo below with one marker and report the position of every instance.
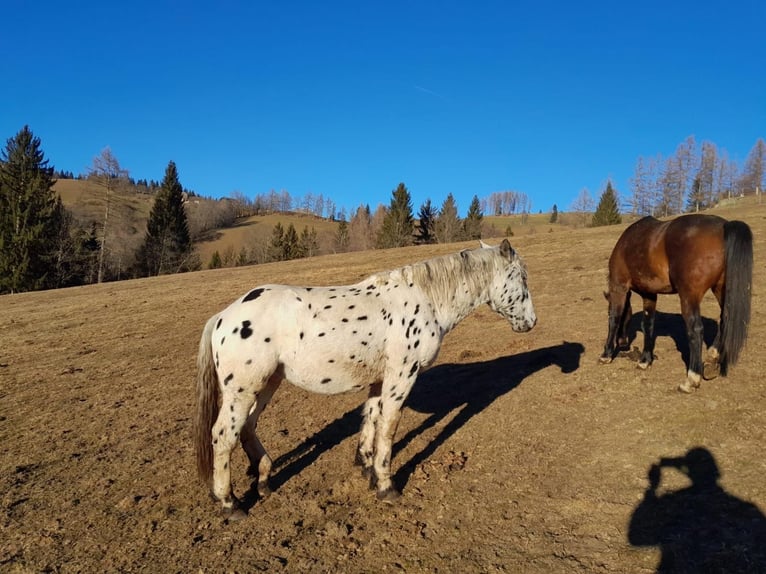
(129, 211)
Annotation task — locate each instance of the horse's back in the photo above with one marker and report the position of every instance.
(656, 256)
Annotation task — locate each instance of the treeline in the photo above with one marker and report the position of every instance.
(694, 178)
(389, 226)
(396, 226)
(42, 245)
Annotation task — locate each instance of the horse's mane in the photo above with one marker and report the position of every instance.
(442, 277)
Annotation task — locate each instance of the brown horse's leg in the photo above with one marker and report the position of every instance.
(623, 341)
(647, 328)
(617, 297)
(711, 367)
(690, 310)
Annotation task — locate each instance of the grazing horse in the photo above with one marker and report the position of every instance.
(687, 255)
(377, 334)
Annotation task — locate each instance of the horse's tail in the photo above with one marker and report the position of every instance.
(207, 403)
(738, 241)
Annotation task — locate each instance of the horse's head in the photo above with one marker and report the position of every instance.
(508, 292)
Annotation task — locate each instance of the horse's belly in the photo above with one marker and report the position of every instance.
(331, 377)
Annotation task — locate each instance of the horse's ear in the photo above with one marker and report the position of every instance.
(464, 253)
(506, 250)
(484, 245)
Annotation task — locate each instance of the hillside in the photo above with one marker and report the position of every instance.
(515, 452)
(129, 212)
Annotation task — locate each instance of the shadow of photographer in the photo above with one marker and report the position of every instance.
(700, 528)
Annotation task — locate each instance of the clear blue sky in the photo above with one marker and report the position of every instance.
(347, 99)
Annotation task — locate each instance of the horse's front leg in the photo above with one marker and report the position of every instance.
(647, 328)
(617, 297)
(393, 394)
(695, 332)
(260, 461)
(623, 340)
(366, 448)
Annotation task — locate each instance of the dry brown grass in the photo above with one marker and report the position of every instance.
(516, 453)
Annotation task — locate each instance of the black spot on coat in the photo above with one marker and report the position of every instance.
(253, 295)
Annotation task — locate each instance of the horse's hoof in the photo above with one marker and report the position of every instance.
(233, 515)
(604, 360)
(643, 366)
(388, 495)
(711, 370)
(264, 491)
(688, 386)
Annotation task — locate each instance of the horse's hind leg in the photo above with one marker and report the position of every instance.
(231, 418)
(366, 448)
(260, 461)
(690, 310)
(647, 328)
(711, 367)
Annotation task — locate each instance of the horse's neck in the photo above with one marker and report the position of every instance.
(466, 297)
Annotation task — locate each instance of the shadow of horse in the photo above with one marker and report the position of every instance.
(672, 325)
(438, 391)
(701, 528)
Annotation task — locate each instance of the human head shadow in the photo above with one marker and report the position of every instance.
(700, 528)
(672, 325)
(470, 387)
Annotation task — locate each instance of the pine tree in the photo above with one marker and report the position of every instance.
(28, 227)
(398, 223)
(341, 237)
(215, 261)
(307, 242)
(472, 222)
(607, 211)
(290, 247)
(276, 245)
(554, 214)
(167, 246)
(448, 226)
(427, 221)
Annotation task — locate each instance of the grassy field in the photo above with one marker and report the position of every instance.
(515, 452)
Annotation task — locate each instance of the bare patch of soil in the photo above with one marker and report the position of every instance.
(515, 453)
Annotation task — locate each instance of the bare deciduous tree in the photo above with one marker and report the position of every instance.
(106, 173)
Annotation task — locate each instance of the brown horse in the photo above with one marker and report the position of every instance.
(687, 255)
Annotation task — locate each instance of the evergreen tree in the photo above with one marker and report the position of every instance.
(167, 246)
(342, 237)
(276, 245)
(28, 226)
(308, 245)
(398, 223)
(215, 261)
(472, 222)
(607, 211)
(448, 226)
(290, 247)
(554, 214)
(427, 221)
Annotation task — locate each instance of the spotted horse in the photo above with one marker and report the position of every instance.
(376, 335)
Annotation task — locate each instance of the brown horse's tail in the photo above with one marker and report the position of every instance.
(207, 403)
(738, 241)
